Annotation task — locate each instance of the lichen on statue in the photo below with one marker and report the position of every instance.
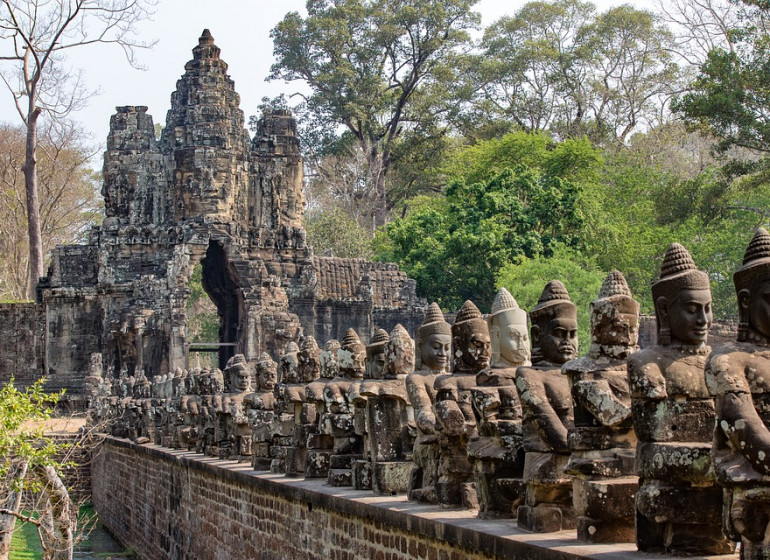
(738, 376)
(433, 349)
(547, 413)
(678, 506)
(453, 407)
(603, 441)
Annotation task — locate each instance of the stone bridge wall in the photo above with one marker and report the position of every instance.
(176, 505)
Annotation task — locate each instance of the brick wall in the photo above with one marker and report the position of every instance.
(170, 504)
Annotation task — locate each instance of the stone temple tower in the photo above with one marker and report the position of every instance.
(203, 193)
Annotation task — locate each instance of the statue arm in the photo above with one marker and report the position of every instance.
(748, 435)
(646, 379)
(597, 397)
(537, 407)
(422, 405)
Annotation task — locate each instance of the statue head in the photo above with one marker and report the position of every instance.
(328, 359)
(554, 326)
(434, 341)
(752, 286)
(470, 340)
(614, 318)
(217, 381)
(352, 356)
(309, 365)
(289, 364)
(399, 353)
(375, 355)
(238, 371)
(682, 298)
(267, 372)
(508, 332)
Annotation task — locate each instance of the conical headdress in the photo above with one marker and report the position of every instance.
(505, 304)
(467, 312)
(757, 254)
(351, 342)
(678, 272)
(554, 297)
(379, 340)
(434, 323)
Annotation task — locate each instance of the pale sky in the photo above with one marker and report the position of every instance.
(241, 28)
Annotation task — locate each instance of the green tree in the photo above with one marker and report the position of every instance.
(35, 36)
(560, 67)
(526, 278)
(380, 68)
(336, 233)
(729, 98)
(455, 245)
(30, 465)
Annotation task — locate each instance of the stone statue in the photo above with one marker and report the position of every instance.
(678, 506)
(238, 429)
(319, 445)
(375, 355)
(738, 376)
(375, 369)
(453, 409)
(262, 409)
(337, 420)
(603, 442)
(389, 416)
(432, 354)
(497, 453)
(547, 413)
(305, 416)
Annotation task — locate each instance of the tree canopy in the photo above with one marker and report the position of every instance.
(378, 68)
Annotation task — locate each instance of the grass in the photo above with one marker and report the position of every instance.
(25, 544)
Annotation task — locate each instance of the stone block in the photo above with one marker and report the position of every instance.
(362, 475)
(675, 462)
(320, 441)
(545, 518)
(546, 468)
(340, 477)
(605, 499)
(669, 503)
(317, 463)
(391, 477)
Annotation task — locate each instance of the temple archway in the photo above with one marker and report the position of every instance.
(221, 285)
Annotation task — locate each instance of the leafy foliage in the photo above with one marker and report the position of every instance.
(337, 234)
(379, 68)
(582, 278)
(455, 245)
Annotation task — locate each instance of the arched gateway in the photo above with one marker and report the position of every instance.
(203, 193)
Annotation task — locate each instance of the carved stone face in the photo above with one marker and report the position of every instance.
(758, 302)
(514, 342)
(472, 347)
(289, 364)
(689, 316)
(267, 376)
(377, 364)
(352, 361)
(435, 351)
(558, 342)
(240, 379)
(615, 323)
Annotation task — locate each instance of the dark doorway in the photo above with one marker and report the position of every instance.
(219, 283)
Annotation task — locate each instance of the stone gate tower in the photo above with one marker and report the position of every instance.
(203, 193)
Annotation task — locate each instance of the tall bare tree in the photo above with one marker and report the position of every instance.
(34, 38)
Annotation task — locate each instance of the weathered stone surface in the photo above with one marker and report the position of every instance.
(677, 503)
(202, 193)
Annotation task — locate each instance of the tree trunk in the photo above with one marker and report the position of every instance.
(58, 522)
(377, 170)
(33, 205)
(12, 503)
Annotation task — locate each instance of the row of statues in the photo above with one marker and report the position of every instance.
(667, 446)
